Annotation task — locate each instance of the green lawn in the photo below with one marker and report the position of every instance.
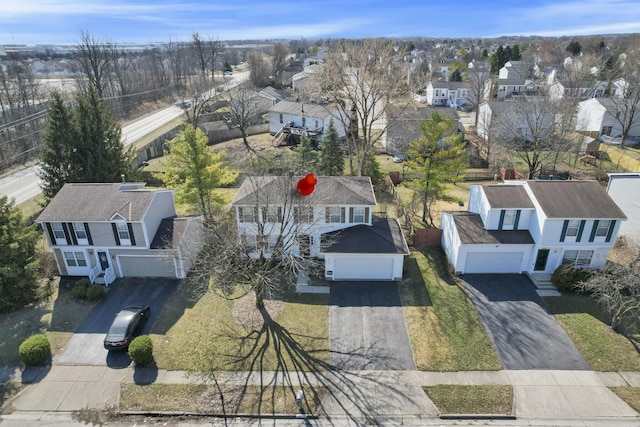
(206, 334)
(445, 331)
(586, 325)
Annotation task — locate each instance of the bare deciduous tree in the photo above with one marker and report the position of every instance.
(244, 110)
(279, 59)
(258, 69)
(92, 58)
(626, 105)
(362, 79)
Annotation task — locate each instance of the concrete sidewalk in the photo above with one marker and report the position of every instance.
(355, 395)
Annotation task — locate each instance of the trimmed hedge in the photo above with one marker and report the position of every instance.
(95, 292)
(79, 289)
(141, 350)
(566, 277)
(35, 350)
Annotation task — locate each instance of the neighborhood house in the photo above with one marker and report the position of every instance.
(334, 223)
(531, 227)
(105, 231)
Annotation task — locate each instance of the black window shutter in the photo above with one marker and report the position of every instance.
(51, 235)
(280, 218)
(327, 215)
(350, 215)
(342, 215)
(115, 233)
(593, 230)
(72, 233)
(366, 214)
(86, 230)
(65, 229)
(131, 236)
(580, 230)
(501, 220)
(610, 231)
(517, 220)
(564, 230)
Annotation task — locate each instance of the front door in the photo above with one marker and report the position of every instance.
(104, 260)
(541, 260)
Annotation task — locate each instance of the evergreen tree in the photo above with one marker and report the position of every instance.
(18, 263)
(60, 136)
(485, 54)
(574, 48)
(306, 157)
(515, 53)
(438, 157)
(331, 159)
(507, 54)
(456, 76)
(195, 172)
(372, 170)
(82, 144)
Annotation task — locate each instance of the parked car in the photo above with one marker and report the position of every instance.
(125, 327)
(398, 158)
(183, 103)
(227, 73)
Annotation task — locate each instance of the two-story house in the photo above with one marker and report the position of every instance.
(508, 88)
(454, 94)
(531, 227)
(289, 120)
(104, 231)
(334, 223)
(601, 117)
(515, 70)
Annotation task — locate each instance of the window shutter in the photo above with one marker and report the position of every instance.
(72, 233)
(86, 230)
(115, 233)
(51, 235)
(580, 230)
(131, 236)
(593, 230)
(366, 215)
(327, 213)
(564, 230)
(264, 214)
(280, 218)
(517, 220)
(610, 231)
(501, 220)
(67, 235)
(342, 215)
(350, 215)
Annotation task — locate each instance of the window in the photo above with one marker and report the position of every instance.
(78, 228)
(509, 217)
(578, 258)
(316, 124)
(281, 118)
(573, 227)
(303, 214)
(58, 231)
(334, 214)
(75, 259)
(273, 214)
(603, 227)
(304, 121)
(247, 214)
(123, 231)
(606, 130)
(358, 214)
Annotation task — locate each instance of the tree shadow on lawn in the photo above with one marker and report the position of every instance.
(294, 368)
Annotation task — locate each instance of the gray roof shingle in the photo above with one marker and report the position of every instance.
(170, 232)
(384, 236)
(295, 108)
(471, 231)
(87, 202)
(504, 196)
(329, 190)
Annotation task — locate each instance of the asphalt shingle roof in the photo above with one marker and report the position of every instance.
(471, 231)
(503, 196)
(383, 237)
(575, 199)
(170, 232)
(329, 190)
(295, 108)
(84, 202)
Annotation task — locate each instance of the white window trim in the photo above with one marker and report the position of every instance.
(123, 230)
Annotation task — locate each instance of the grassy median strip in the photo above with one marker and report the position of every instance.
(205, 399)
(445, 330)
(472, 399)
(631, 396)
(585, 323)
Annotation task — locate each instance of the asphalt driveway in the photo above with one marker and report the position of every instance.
(524, 333)
(367, 330)
(85, 347)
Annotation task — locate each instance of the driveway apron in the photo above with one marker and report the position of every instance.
(524, 333)
(85, 347)
(367, 330)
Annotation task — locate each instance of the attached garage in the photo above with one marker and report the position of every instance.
(363, 268)
(137, 266)
(494, 262)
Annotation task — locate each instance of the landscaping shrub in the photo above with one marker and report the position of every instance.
(566, 277)
(79, 289)
(141, 350)
(35, 350)
(95, 292)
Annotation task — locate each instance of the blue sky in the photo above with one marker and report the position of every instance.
(140, 21)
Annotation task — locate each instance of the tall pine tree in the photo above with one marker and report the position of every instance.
(331, 159)
(306, 157)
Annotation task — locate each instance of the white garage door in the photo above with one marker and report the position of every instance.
(363, 269)
(146, 267)
(491, 262)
